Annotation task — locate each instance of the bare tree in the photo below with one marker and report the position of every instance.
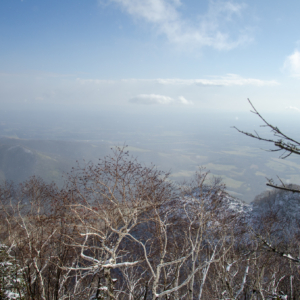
(139, 235)
(35, 222)
(281, 141)
(121, 230)
(275, 234)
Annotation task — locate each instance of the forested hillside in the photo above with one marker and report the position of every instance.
(120, 230)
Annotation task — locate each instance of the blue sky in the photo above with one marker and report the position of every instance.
(184, 54)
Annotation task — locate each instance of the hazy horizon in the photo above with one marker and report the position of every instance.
(172, 141)
(169, 78)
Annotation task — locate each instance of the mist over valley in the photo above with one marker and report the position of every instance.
(49, 144)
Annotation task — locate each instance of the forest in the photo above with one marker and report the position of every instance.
(121, 230)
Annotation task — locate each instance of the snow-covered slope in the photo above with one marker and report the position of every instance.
(276, 212)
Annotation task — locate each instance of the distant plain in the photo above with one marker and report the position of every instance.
(172, 142)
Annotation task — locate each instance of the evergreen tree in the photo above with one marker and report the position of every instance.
(11, 283)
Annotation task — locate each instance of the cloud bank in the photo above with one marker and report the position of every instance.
(221, 92)
(219, 27)
(228, 80)
(293, 108)
(292, 64)
(159, 99)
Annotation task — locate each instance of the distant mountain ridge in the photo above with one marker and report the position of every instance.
(17, 162)
(20, 159)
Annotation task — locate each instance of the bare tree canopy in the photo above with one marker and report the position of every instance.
(120, 230)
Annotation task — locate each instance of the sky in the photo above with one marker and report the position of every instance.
(184, 55)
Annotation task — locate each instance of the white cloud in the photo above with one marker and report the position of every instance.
(228, 80)
(293, 108)
(158, 99)
(95, 81)
(210, 29)
(209, 92)
(292, 64)
(182, 100)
